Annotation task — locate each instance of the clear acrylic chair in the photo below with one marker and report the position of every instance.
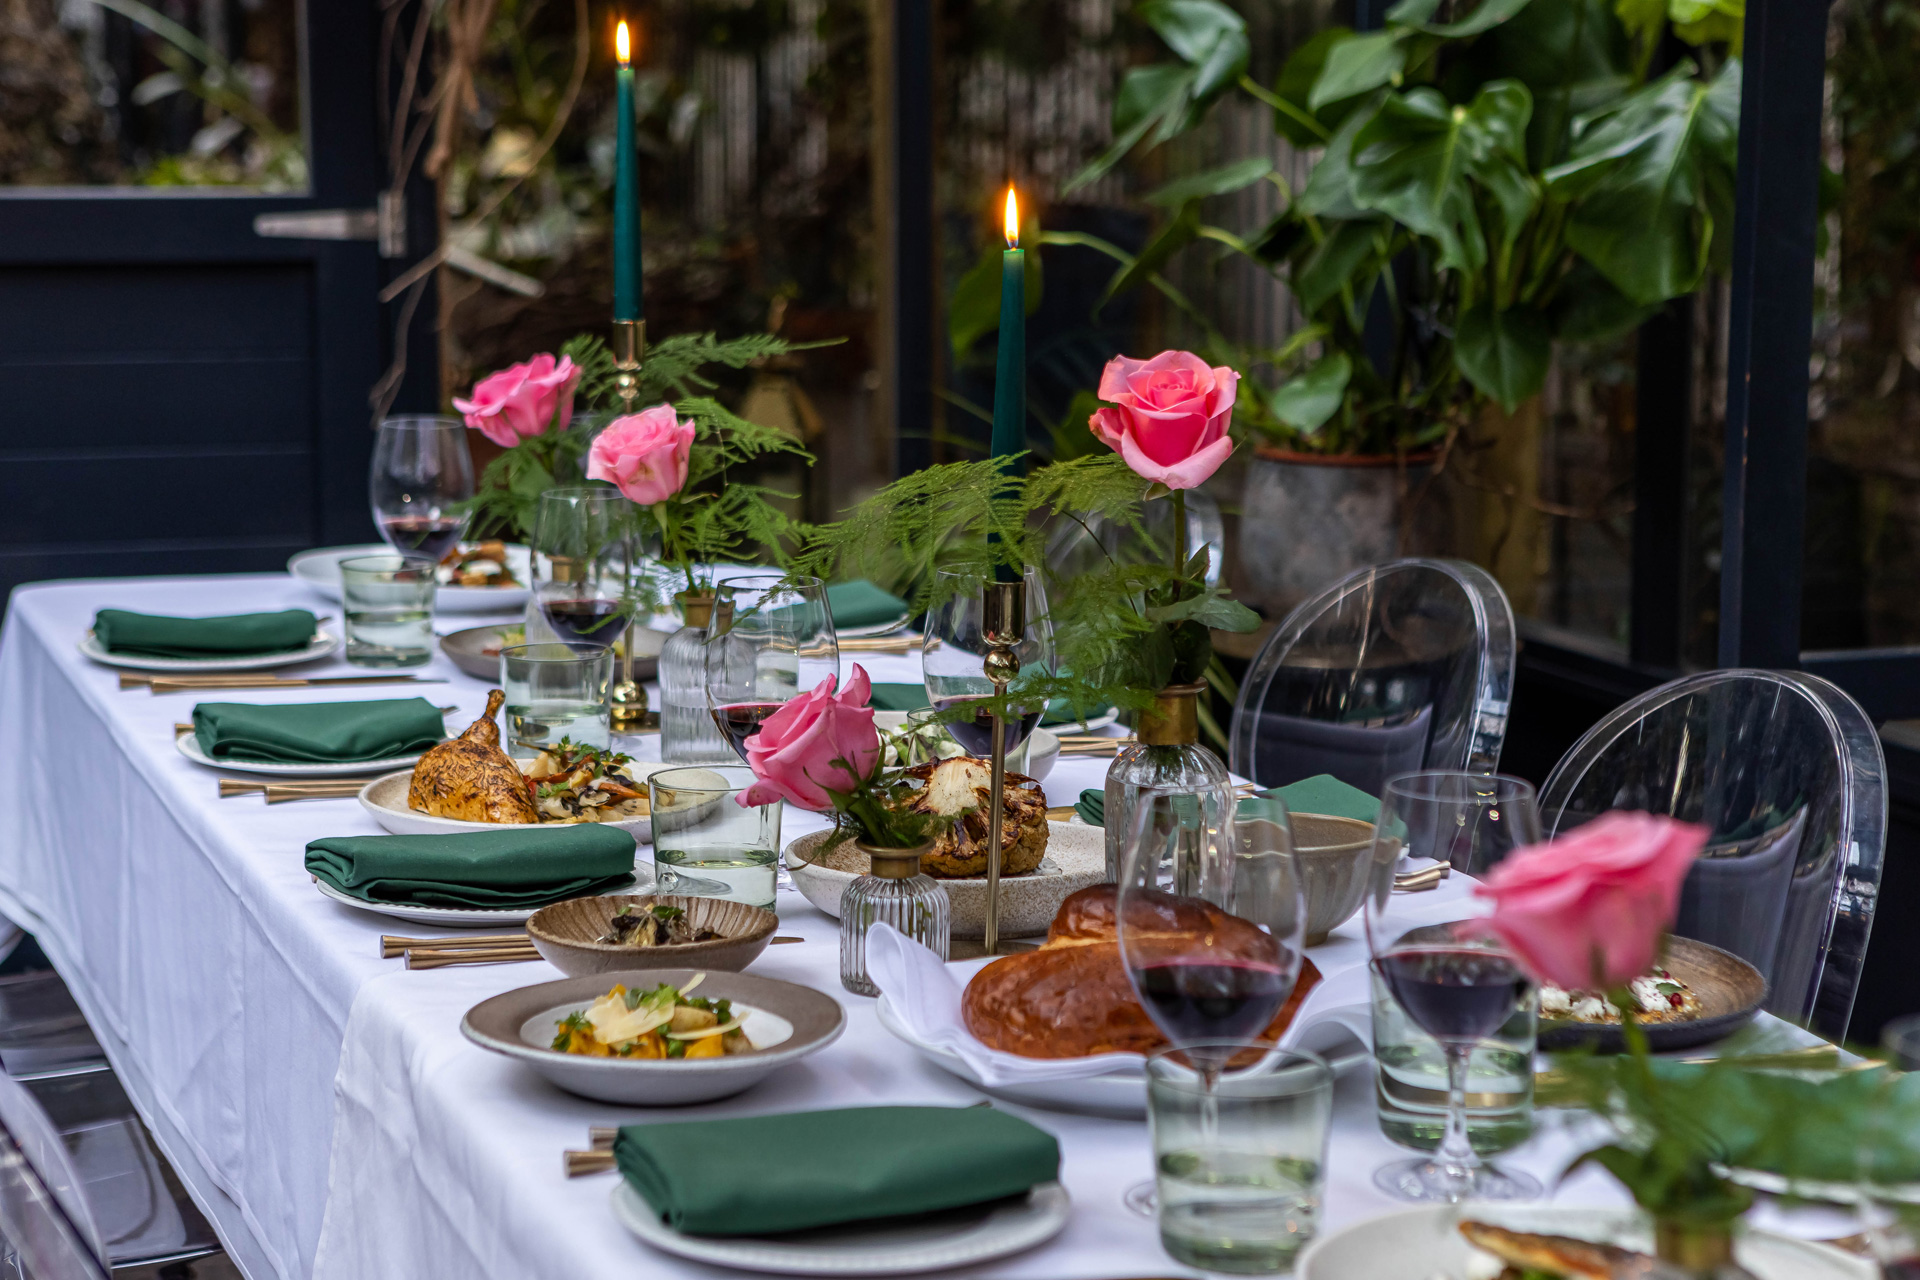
(1403, 666)
(47, 1230)
(1787, 771)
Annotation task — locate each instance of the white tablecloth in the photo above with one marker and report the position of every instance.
(321, 1102)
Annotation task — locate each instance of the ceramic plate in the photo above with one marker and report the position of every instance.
(1120, 1093)
(320, 569)
(468, 651)
(1425, 1244)
(1729, 989)
(189, 746)
(1100, 721)
(452, 917)
(875, 628)
(784, 1021)
(1076, 857)
(385, 799)
(926, 1242)
(320, 646)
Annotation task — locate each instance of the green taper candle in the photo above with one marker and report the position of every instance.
(627, 301)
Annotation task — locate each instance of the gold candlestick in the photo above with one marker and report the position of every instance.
(1003, 623)
(628, 698)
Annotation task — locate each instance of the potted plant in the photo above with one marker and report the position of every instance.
(1494, 178)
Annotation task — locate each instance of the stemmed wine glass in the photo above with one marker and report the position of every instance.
(954, 650)
(581, 537)
(1455, 982)
(772, 638)
(420, 474)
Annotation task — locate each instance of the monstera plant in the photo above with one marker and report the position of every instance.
(1505, 175)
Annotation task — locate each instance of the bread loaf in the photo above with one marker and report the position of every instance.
(1071, 997)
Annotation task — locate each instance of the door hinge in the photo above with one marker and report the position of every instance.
(385, 223)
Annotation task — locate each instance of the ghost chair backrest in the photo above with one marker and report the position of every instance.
(1787, 773)
(1402, 666)
(47, 1229)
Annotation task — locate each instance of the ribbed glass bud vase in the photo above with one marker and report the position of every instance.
(894, 893)
(688, 734)
(1166, 755)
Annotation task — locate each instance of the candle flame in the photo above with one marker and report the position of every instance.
(1012, 225)
(622, 45)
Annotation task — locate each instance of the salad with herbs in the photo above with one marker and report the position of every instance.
(664, 1022)
(571, 782)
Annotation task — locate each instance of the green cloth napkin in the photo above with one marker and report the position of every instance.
(765, 1174)
(861, 604)
(913, 697)
(1322, 793)
(496, 869)
(317, 732)
(237, 635)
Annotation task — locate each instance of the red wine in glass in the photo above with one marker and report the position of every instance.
(422, 535)
(1203, 998)
(1454, 994)
(589, 621)
(739, 721)
(975, 735)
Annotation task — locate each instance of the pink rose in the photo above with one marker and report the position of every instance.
(1168, 417)
(1588, 910)
(818, 741)
(644, 454)
(521, 402)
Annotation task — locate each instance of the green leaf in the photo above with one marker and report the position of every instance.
(1329, 189)
(1503, 353)
(1641, 175)
(1213, 182)
(1295, 84)
(1222, 66)
(1490, 14)
(974, 310)
(1147, 96)
(1214, 611)
(1072, 437)
(1587, 308)
(1307, 401)
(1191, 28)
(1173, 237)
(1359, 64)
(1335, 262)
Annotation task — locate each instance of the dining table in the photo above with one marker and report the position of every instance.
(321, 1104)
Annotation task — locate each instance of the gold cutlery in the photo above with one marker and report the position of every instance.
(1421, 880)
(392, 945)
(438, 959)
(282, 792)
(905, 642)
(188, 683)
(581, 1163)
(441, 953)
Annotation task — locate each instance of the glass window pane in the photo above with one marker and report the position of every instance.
(196, 93)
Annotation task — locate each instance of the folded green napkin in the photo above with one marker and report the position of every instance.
(238, 635)
(1092, 807)
(503, 869)
(317, 732)
(861, 604)
(765, 1174)
(1324, 793)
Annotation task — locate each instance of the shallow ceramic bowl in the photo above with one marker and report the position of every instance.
(1076, 857)
(785, 1022)
(566, 934)
(468, 651)
(1729, 989)
(1333, 854)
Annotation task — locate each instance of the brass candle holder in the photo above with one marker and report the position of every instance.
(628, 699)
(1003, 623)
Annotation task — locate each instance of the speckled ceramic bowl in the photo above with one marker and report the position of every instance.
(567, 934)
(1333, 856)
(1076, 857)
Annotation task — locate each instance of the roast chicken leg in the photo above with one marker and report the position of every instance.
(471, 778)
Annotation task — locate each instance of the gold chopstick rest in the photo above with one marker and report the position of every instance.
(581, 1163)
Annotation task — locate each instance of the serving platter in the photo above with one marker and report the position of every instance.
(319, 568)
(454, 917)
(189, 746)
(385, 800)
(323, 643)
(1729, 989)
(905, 1246)
(783, 1020)
(1426, 1242)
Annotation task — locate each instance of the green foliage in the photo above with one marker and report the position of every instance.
(1507, 157)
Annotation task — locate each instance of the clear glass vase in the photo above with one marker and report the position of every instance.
(894, 893)
(688, 734)
(1167, 755)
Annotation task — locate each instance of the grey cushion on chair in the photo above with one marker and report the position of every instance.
(1290, 748)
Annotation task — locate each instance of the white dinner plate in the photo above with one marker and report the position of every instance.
(1100, 721)
(459, 917)
(928, 1242)
(320, 646)
(385, 800)
(1426, 1243)
(189, 746)
(874, 628)
(1120, 1093)
(319, 568)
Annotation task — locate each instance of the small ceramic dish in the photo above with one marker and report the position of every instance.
(1334, 854)
(1076, 857)
(783, 1021)
(568, 934)
(385, 800)
(1729, 989)
(476, 651)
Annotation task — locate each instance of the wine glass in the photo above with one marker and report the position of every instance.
(1455, 982)
(954, 651)
(772, 638)
(580, 535)
(420, 474)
